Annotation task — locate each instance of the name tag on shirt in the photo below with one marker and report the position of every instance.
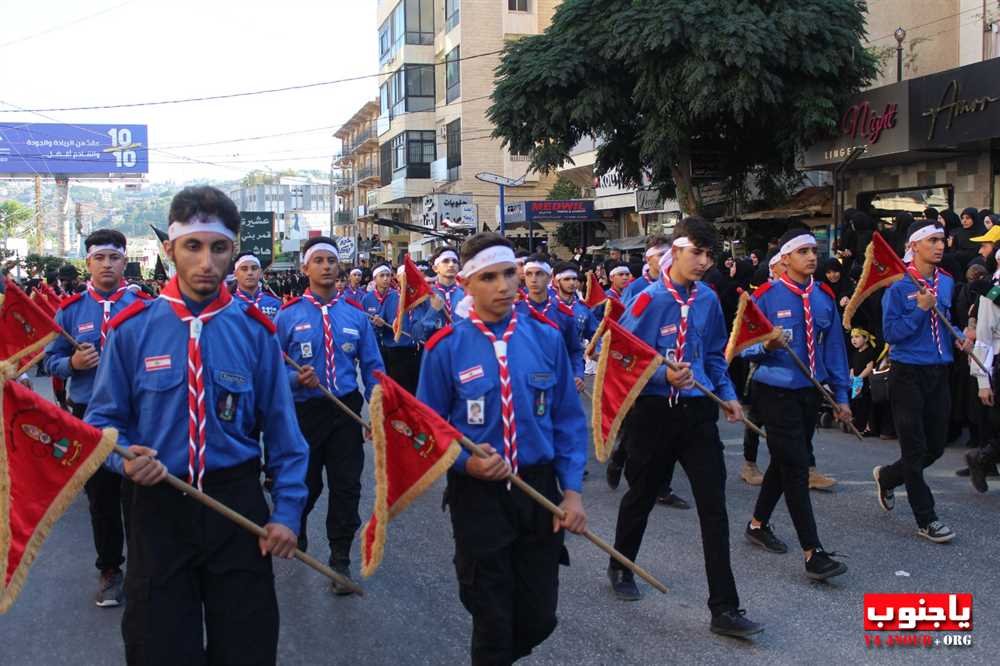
(913, 296)
(669, 329)
(154, 363)
(784, 314)
(474, 372)
(352, 331)
(306, 349)
(303, 327)
(475, 411)
(85, 328)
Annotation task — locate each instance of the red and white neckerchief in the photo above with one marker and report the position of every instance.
(615, 294)
(935, 325)
(196, 381)
(807, 314)
(106, 303)
(506, 390)
(378, 297)
(256, 299)
(328, 342)
(682, 328)
(545, 311)
(446, 293)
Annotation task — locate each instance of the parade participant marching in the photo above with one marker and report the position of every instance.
(329, 337)
(671, 421)
(200, 588)
(401, 357)
(445, 294)
(787, 401)
(374, 302)
(248, 289)
(537, 274)
(656, 247)
(620, 277)
(567, 281)
(987, 349)
(355, 290)
(86, 315)
(504, 379)
(920, 351)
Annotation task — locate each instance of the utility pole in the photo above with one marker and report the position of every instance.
(39, 235)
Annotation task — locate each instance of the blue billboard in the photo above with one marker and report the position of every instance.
(53, 149)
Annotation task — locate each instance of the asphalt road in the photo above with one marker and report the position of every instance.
(412, 614)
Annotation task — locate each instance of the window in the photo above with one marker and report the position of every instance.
(453, 132)
(452, 78)
(408, 155)
(390, 34)
(409, 89)
(419, 21)
(517, 5)
(385, 164)
(450, 14)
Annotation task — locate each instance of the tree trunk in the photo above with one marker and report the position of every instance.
(688, 199)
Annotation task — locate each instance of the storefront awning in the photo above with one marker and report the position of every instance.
(810, 202)
(629, 243)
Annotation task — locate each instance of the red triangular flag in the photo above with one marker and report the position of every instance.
(624, 366)
(42, 301)
(594, 294)
(24, 327)
(413, 291)
(750, 326)
(45, 458)
(882, 267)
(613, 310)
(413, 447)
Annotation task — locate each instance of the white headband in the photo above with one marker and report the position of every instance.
(495, 254)
(447, 254)
(380, 270)
(568, 273)
(919, 235)
(107, 247)
(657, 250)
(246, 259)
(320, 247)
(773, 261)
(540, 265)
(209, 224)
(668, 259)
(618, 270)
(805, 240)
(356, 271)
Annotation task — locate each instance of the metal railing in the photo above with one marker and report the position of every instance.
(343, 217)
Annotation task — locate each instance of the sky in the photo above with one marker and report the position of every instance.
(60, 53)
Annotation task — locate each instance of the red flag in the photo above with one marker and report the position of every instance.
(413, 447)
(882, 267)
(413, 291)
(594, 294)
(624, 367)
(613, 310)
(24, 327)
(42, 301)
(46, 457)
(750, 326)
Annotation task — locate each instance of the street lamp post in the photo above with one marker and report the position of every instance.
(900, 35)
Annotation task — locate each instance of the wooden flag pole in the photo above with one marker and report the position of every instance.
(822, 389)
(372, 318)
(247, 524)
(476, 450)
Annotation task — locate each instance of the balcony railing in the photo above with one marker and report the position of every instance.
(366, 172)
(365, 134)
(343, 217)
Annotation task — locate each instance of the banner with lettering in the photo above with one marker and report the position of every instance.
(257, 235)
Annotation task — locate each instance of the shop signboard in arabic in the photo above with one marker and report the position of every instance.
(257, 235)
(455, 207)
(570, 210)
(955, 107)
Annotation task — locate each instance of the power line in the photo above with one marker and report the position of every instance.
(63, 26)
(923, 25)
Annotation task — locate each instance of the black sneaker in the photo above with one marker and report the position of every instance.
(764, 537)
(977, 471)
(110, 591)
(821, 565)
(673, 501)
(613, 474)
(734, 623)
(937, 532)
(623, 584)
(345, 571)
(886, 496)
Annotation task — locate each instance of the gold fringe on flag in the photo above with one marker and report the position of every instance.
(732, 348)
(861, 292)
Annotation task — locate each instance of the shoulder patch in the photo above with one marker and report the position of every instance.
(542, 318)
(761, 290)
(565, 309)
(291, 302)
(261, 318)
(132, 310)
(437, 337)
(351, 301)
(829, 291)
(641, 304)
(70, 300)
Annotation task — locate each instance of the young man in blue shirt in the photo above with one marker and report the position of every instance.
(402, 357)
(355, 290)
(671, 421)
(504, 379)
(86, 316)
(446, 294)
(920, 351)
(248, 289)
(656, 246)
(200, 588)
(788, 402)
(329, 338)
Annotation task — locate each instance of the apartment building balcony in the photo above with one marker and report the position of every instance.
(368, 176)
(344, 217)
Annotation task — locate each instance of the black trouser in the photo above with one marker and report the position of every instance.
(751, 440)
(790, 418)
(507, 562)
(920, 405)
(109, 498)
(620, 456)
(192, 571)
(403, 365)
(660, 436)
(861, 408)
(336, 444)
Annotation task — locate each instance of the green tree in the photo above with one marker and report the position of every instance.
(14, 218)
(564, 188)
(663, 82)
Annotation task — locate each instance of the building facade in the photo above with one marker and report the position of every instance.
(357, 172)
(300, 205)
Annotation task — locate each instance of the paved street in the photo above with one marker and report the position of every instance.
(412, 614)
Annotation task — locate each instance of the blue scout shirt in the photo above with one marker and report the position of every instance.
(434, 320)
(784, 308)
(586, 323)
(81, 316)
(387, 310)
(907, 328)
(655, 317)
(141, 389)
(373, 307)
(264, 301)
(562, 316)
(634, 288)
(459, 379)
(356, 294)
(300, 333)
